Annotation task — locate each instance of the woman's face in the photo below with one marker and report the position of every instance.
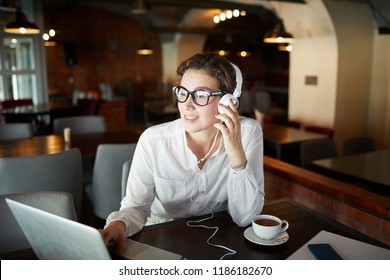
(198, 118)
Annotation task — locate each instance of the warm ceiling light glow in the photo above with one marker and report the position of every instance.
(223, 53)
(145, 50)
(278, 35)
(229, 14)
(21, 25)
(243, 13)
(236, 13)
(216, 19)
(285, 47)
(244, 54)
(222, 17)
(45, 37)
(50, 43)
(52, 32)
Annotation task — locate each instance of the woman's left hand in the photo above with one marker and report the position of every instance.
(230, 128)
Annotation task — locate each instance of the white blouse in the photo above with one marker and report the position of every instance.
(165, 179)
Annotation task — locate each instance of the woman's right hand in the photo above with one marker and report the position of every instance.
(116, 232)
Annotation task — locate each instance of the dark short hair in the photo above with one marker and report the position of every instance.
(214, 65)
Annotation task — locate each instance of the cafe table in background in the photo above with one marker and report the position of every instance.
(370, 170)
(50, 144)
(283, 142)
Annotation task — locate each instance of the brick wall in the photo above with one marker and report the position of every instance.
(357, 208)
(105, 47)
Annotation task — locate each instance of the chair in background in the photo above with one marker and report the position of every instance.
(11, 131)
(125, 175)
(88, 106)
(318, 129)
(80, 124)
(246, 106)
(355, 145)
(105, 192)
(51, 172)
(318, 149)
(264, 105)
(12, 237)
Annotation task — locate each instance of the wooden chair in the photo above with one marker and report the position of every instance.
(318, 149)
(355, 145)
(12, 237)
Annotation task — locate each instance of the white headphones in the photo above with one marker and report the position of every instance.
(236, 94)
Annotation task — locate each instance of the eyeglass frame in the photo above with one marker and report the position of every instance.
(192, 93)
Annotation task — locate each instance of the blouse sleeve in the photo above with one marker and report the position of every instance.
(246, 187)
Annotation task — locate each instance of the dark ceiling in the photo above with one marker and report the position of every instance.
(165, 16)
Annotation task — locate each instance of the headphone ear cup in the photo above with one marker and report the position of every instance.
(225, 101)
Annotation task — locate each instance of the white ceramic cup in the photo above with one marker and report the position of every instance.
(268, 226)
(67, 138)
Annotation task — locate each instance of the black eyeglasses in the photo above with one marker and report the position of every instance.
(199, 96)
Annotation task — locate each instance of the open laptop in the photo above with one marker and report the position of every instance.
(53, 237)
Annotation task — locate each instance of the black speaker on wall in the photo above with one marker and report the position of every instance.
(70, 53)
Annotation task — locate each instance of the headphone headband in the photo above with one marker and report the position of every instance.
(237, 90)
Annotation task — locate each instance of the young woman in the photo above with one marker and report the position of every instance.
(203, 162)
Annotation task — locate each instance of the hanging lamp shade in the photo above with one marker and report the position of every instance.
(145, 50)
(278, 35)
(21, 25)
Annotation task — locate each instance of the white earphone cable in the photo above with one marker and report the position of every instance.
(215, 228)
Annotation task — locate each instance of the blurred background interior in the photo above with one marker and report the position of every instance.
(123, 53)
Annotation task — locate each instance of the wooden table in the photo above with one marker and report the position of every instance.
(177, 237)
(36, 114)
(191, 243)
(370, 170)
(285, 140)
(50, 144)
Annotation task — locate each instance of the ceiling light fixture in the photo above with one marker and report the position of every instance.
(144, 50)
(285, 47)
(278, 34)
(228, 14)
(21, 25)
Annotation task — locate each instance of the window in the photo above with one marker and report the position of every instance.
(17, 69)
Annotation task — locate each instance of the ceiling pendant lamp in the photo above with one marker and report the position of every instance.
(278, 34)
(21, 25)
(144, 50)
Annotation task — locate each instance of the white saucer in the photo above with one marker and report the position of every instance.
(278, 240)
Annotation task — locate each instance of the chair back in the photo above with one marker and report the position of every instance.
(88, 106)
(125, 175)
(263, 102)
(106, 189)
(318, 149)
(80, 124)
(355, 145)
(12, 237)
(51, 172)
(13, 131)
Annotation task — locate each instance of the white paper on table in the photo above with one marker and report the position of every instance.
(347, 248)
